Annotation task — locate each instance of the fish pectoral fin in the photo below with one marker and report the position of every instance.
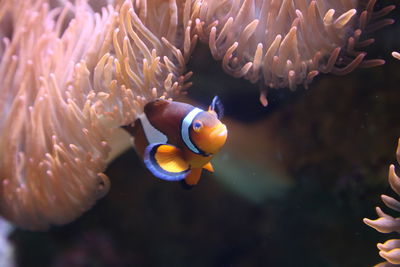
(209, 167)
(193, 177)
(165, 162)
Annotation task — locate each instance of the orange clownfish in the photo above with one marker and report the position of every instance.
(178, 140)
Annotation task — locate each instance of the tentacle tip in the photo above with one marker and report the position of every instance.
(367, 221)
(263, 99)
(381, 62)
(396, 55)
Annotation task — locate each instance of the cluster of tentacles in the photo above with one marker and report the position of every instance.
(73, 72)
(390, 250)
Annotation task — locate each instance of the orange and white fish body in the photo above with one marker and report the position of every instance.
(178, 140)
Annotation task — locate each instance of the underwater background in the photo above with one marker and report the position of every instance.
(290, 187)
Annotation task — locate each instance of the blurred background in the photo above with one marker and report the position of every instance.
(290, 187)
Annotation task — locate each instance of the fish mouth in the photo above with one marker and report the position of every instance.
(218, 137)
(219, 131)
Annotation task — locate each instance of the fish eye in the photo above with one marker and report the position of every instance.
(197, 125)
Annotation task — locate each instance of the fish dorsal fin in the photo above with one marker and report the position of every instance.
(166, 162)
(193, 177)
(209, 167)
(217, 107)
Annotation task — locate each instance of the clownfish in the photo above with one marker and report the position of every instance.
(177, 140)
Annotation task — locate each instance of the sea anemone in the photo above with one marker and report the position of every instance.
(69, 77)
(390, 250)
(147, 59)
(286, 43)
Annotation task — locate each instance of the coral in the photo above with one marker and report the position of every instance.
(390, 250)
